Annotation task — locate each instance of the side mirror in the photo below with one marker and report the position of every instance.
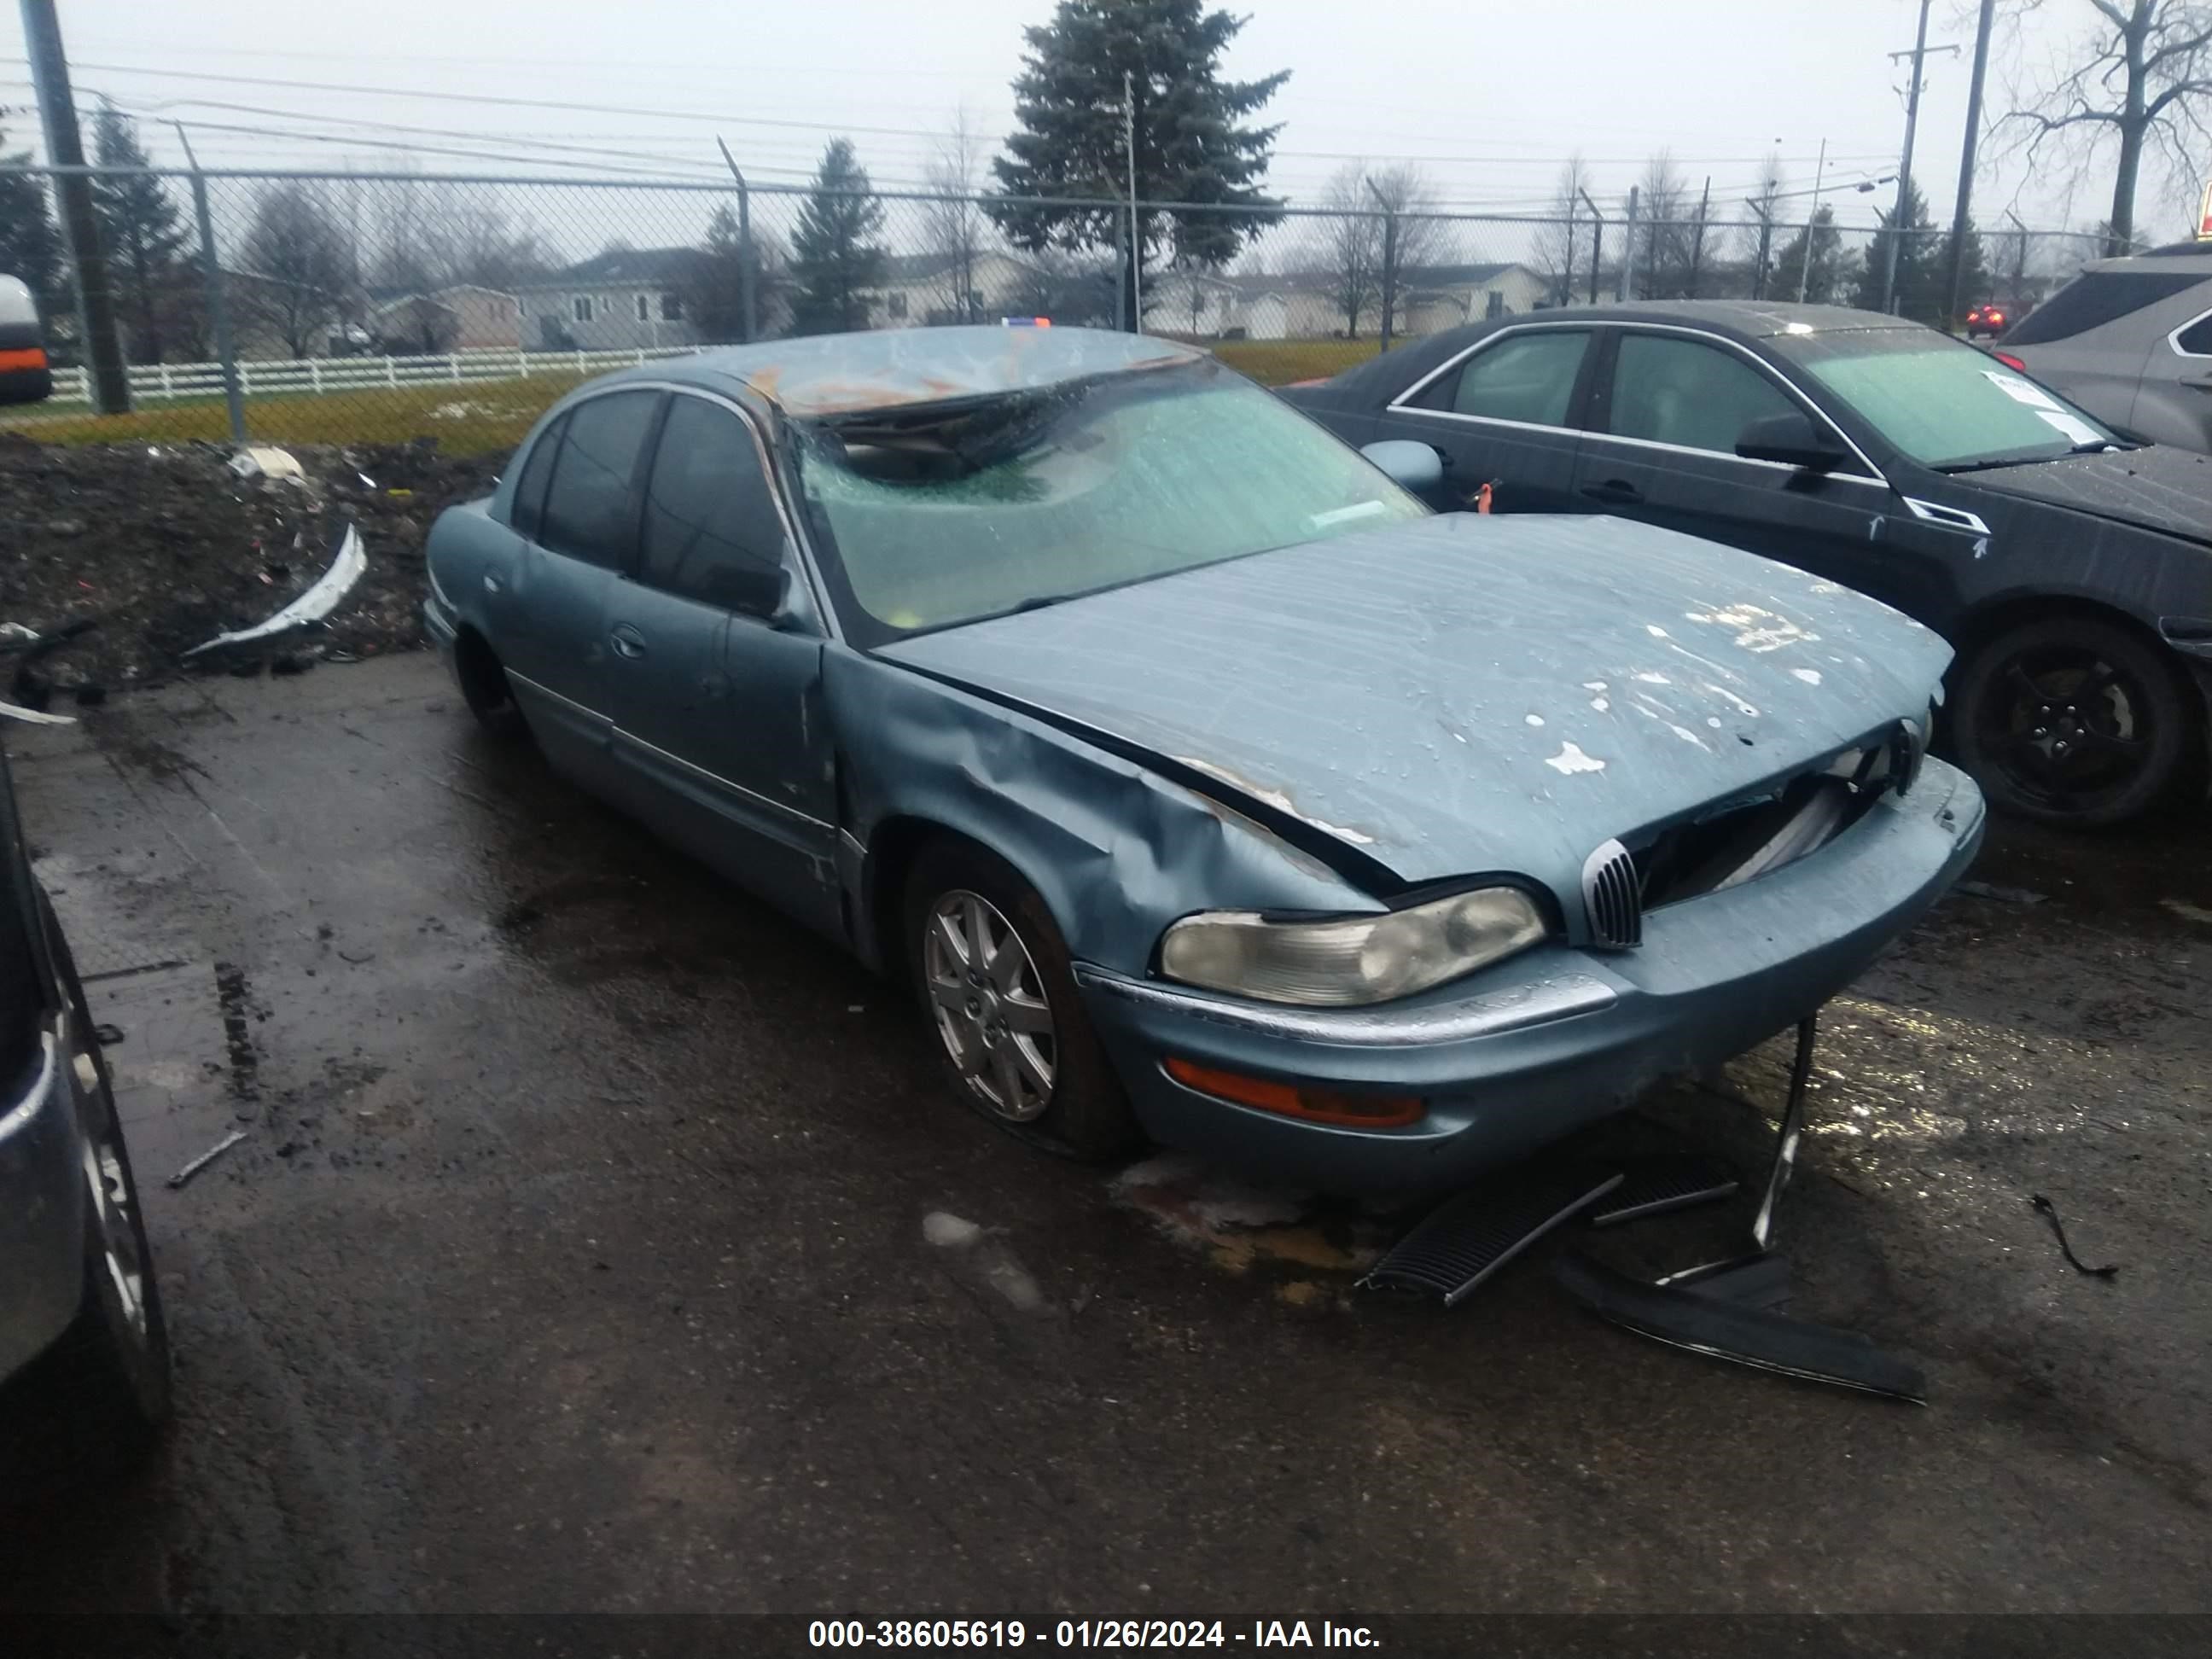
(1414, 466)
(1792, 439)
(755, 590)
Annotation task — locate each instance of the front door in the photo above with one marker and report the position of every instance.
(717, 678)
(1662, 449)
(1502, 416)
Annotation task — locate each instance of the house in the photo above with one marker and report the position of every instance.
(1196, 303)
(460, 317)
(1433, 298)
(922, 290)
(616, 301)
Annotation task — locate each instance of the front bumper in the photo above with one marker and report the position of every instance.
(1527, 1051)
(42, 1204)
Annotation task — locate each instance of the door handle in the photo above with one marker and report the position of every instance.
(2202, 382)
(491, 583)
(1617, 491)
(627, 641)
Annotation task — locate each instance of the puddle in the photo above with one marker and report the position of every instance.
(1243, 1227)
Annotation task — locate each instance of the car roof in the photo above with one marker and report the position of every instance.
(829, 375)
(2188, 259)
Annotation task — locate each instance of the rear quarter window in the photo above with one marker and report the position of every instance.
(2098, 297)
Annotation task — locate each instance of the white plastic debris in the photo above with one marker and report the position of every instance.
(322, 597)
(15, 711)
(265, 461)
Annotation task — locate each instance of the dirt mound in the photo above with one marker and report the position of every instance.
(166, 546)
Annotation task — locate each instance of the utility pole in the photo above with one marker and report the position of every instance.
(1765, 243)
(1136, 225)
(1811, 226)
(1960, 213)
(97, 334)
(1897, 225)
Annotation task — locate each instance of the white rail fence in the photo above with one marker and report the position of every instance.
(312, 376)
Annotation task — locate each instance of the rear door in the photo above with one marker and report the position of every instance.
(579, 521)
(719, 736)
(1504, 414)
(2095, 337)
(2173, 404)
(1669, 407)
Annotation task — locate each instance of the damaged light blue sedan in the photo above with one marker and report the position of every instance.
(1203, 784)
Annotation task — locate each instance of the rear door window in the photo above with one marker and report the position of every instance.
(2197, 339)
(2095, 298)
(591, 507)
(1529, 378)
(1671, 391)
(530, 489)
(711, 529)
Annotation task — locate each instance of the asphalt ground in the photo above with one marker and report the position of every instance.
(579, 1255)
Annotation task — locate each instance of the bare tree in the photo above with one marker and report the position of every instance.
(2142, 75)
(1559, 244)
(1758, 211)
(1662, 252)
(300, 267)
(1423, 240)
(954, 223)
(1347, 245)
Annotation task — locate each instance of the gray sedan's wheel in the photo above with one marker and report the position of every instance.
(484, 685)
(991, 974)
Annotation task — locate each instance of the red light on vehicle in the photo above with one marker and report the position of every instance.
(1299, 1100)
(2009, 361)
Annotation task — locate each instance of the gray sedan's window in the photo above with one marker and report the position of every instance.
(936, 515)
(591, 509)
(1524, 377)
(1669, 390)
(2196, 338)
(710, 522)
(530, 488)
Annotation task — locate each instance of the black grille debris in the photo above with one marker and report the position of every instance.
(1468, 1238)
(1655, 1186)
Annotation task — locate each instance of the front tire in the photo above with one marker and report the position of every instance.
(994, 979)
(2079, 724)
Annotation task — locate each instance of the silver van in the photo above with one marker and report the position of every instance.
(2130, 340)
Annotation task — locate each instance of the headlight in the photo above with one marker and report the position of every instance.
(1352, 959)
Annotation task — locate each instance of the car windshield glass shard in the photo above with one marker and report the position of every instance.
(1946, 404)
(952, 512)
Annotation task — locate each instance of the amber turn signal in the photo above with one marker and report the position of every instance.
(1298, 1100)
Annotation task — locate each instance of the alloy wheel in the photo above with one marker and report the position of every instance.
(987, 1002)
(2069, 727)
(109, 1192)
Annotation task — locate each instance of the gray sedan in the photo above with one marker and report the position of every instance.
(1201, 783)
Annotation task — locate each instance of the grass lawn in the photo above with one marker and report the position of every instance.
(475, 417)
(467, 417)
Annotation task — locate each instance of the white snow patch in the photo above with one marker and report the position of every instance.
(1757, 629)
(1685, 734)
(1654, 631)
(1726, 696)
(1593, 685)
(1649, 679)
(1533, 720)
(1713, 720)
(1810, 676)
(1571, 760)
(1600, 704)
(949, 1231)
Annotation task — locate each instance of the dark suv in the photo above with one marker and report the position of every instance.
(84, 1359)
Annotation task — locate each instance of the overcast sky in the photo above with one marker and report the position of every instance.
(1490, 95)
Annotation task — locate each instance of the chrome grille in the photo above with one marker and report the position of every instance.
(1612, 893)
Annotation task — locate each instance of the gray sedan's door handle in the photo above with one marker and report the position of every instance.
(1617, 491)
(2202, 382)
(627, 641)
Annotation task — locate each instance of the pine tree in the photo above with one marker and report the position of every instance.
(1190, 147)
(1825, 282)
(30, 243)
(1918, 278)
(835, 260)
(140, 229)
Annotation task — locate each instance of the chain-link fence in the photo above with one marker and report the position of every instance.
(360, 307)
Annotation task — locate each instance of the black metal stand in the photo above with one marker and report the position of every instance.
(1726, 1308)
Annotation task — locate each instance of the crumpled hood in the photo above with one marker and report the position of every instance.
(1467, 694)
(2158, 487)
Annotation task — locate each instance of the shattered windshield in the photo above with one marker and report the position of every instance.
(946, 513)
(1945, 403)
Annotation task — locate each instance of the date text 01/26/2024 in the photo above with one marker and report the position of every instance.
(1085, 1633)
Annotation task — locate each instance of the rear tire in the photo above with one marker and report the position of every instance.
(2079, 723)
(485, 689)
(992, 976)
(98, 1397)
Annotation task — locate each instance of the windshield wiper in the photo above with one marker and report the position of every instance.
(1994, 463)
